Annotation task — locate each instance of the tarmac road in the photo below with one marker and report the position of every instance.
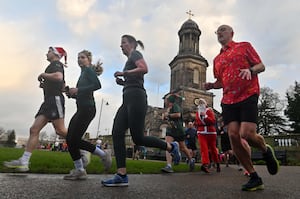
(227, 184)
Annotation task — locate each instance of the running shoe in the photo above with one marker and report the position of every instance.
(271, 161)
(204, 168)
(106, 160)
(85, 157)
(116, 181)
(255, 183)
(192, 164)
(167, 169)
(76, 174)
(18, 165)
(175, 153)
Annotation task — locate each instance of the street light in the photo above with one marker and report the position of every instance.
(98, 129)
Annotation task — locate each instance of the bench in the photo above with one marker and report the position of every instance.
(280, 155)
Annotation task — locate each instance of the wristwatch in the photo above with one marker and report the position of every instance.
(251, 70)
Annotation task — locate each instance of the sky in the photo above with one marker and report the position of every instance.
(29, 27)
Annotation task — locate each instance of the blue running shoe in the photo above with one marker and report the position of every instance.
(175, 153)
(116, 181)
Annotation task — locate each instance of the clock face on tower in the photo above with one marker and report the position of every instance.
(196, 101)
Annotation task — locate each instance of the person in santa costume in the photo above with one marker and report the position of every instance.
(207, 136)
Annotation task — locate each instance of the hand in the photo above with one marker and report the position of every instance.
(72, 92)
(165, 116)
(120, 81)
(40, 77)
(208, 86)
(245, 74)
(118, 74)
(41, 84)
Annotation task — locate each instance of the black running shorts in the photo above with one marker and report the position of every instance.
(244, 111)
(53, 108)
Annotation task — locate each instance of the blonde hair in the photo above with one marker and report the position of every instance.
(98, 68)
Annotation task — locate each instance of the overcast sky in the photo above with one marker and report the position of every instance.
(29, 27)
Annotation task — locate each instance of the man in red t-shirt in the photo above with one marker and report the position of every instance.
(236, 68)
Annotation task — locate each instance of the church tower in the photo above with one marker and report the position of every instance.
(188, 69)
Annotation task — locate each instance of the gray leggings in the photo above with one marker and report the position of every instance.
(131, 115)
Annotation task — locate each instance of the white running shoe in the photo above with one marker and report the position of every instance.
(76, 174)
(16, 164)
(85, 157)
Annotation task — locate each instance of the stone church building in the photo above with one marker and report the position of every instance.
(188, 74)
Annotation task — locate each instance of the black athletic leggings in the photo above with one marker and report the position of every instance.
(77, 127)
(131, 115)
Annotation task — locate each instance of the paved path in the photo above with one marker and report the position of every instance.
(226, 184)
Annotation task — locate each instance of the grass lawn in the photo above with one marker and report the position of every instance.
(54, 162)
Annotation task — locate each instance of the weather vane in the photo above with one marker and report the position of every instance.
(190, 14)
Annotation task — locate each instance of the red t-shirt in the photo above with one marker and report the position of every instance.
(227, 65)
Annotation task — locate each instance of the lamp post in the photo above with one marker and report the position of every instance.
(101, 107)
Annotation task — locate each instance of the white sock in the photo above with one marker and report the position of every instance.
(169, 165)
(78, 164)
(99, 152)
(25, 157)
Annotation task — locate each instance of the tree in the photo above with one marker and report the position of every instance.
(11, 138)
(2, 130)
(292, 110)
(270, 107)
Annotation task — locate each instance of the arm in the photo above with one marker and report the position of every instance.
(141, 69)
(56, 76)
(216, 85)
(210, 117)
(255, 64)
(174, 115)
(93, 85)
(254, 70)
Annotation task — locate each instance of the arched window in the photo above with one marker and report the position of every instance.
(196, 76)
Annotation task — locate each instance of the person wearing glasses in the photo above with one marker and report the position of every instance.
(88, 82)
(236, 70)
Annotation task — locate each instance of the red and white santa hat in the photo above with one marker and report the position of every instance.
(60, 52)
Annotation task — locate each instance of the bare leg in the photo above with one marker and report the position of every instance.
(60, 128)
(169, 139)
(241, 152)
(184, 149)
(33, 140)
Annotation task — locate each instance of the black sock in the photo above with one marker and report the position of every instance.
(123, 176)
(254, 175)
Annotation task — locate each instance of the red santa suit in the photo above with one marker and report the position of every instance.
(207, 136)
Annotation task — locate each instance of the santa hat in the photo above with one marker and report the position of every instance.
(60, 52)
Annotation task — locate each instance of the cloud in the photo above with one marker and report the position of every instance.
(75, 8)
(17, 55)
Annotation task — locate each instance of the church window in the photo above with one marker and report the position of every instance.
(196, 76)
